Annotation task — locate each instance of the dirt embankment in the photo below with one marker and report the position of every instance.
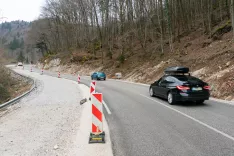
(209, 58)
(12, 84)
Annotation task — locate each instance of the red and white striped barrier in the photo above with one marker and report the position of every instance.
(97, 114)
(92, 87)
(97, 135)
(59, 75)
(42, 71)
(78, 80)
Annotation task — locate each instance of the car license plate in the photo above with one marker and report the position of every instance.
(196, 88)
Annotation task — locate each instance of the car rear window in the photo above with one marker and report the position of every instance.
(185, 78)
(101, 73)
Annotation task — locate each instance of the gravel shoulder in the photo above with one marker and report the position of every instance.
(50, 121)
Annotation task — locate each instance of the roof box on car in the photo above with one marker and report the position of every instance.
(174, 70)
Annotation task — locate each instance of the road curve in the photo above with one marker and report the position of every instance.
(145, 126)
(50, 121)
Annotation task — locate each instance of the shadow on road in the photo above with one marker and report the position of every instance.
(185, 104)
(191, 104)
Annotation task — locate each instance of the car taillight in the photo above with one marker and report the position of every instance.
(182, 87)
(207, 87)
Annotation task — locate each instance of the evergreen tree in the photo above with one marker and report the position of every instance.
(22, 43)
(21, 57)
(14, 44)
(27, 61)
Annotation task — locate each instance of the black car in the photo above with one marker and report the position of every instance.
(177, 85)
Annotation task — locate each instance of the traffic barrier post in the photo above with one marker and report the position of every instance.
(78, 79)
(97, 135)
(92, 87)
(42, 71)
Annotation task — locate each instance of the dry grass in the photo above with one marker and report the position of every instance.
(5, 83)
(11, 87)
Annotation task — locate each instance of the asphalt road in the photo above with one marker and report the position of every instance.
(144, 126)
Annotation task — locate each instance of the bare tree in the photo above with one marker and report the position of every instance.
(232, 15)
(71, 24)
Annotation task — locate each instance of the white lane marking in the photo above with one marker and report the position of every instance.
(211, 98)
(222, 101)
(87, 76)
(107, 108)
(130, 82)
(198, 121)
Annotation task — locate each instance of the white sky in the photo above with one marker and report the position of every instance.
(27, 10)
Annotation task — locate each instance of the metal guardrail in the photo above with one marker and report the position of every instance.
(21, 96)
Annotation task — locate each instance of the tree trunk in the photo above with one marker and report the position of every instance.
(232, 15)
(162, 19)
(221, 10)
(161, 30)
(169, 25)
(227, 9)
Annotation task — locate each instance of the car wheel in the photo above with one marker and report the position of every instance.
(200, 101)
(151, 92)
(170, 98)
(104, 79)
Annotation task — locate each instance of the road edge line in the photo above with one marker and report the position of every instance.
(192, 118)
(148, 85)
(106, 107)
(230, 103)
(142, 84)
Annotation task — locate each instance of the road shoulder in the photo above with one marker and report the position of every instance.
(51, 122)
(81, 145)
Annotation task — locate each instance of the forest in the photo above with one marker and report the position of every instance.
(66, 25)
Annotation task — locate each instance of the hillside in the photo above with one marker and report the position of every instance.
(11, 84)
(9, 30)
(12, 49)
(209, 59)
(13, 41)
(139, 38)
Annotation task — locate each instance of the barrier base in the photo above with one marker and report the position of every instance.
(97, 138)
